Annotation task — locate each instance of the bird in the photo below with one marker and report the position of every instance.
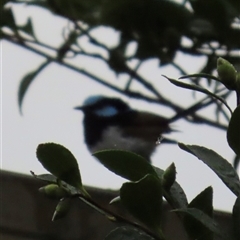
(110, 123)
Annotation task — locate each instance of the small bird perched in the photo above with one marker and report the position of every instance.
(109, 123)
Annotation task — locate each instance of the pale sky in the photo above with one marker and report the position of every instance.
(48, 114)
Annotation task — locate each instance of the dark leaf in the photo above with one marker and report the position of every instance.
(218, 164)
(59, 161)
(45, 177)
(7, 18)
(28, 28)
(26, 82)
(233, 132)
(125, 164)
(127, 233)
(143, 199)
(201, 75)
(236, 218)
(203, 202)
(206, 221)
(198, 89)
(236, 162)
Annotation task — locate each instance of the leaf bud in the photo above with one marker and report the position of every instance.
(62, 209)
(54, 191)
(227, 73)
(169, 176)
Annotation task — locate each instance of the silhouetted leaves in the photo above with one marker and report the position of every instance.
(27, 81)
(125, 164)
(203, 202)
(233, 132)
(218, 164)
(143, 199)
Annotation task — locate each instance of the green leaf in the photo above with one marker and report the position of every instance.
(125, 164)
(27, 80)
(62, 209)
(236, 218)
(176, 195)
(198, 89)
(233, 132)
(196, 229)
(205, 220)
(59, 161)
(143, 199)
(218, 164)
(127, 233)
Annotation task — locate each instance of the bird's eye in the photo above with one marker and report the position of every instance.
(107, 111)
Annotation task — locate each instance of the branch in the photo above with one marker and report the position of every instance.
(133, 94)
(114, 217)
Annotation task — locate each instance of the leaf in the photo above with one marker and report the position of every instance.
(45, 177)
(127, 233)
(62, 209)
(201, 75)
(176, 195)
(218, 164)
(28, 28)
(59, 161)
(125, 164)
(7, 18)
(49, 178)
(26, 81)
(236, 218)
(233, 131)
(205, 220)
(203, 202)
(143, 199)
(198, 89)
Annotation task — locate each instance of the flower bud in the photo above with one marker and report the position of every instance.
(227, 73)
(169, 176)
(54, 191)
(62, 209)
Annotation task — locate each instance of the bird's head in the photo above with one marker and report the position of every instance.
(105, 107)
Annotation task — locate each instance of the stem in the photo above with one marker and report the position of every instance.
(117, 218)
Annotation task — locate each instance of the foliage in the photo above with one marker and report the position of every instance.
(160, 29)
(142, 195)
(158, 35)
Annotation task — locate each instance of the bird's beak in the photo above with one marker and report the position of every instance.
(79, 108)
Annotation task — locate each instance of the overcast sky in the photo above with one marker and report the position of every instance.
(48, 114)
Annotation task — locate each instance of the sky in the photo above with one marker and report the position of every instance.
(48, 114)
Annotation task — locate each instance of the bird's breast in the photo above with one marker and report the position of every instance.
(114, 138)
